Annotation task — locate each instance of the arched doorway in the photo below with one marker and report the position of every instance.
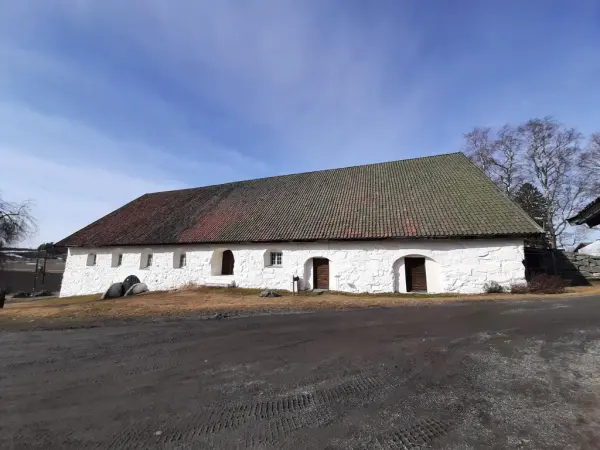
(317, 273)
(320, 273)
(227, 263)
(417, 273)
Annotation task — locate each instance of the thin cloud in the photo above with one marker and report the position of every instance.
(301, 77)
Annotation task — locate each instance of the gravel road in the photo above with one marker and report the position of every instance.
(457, 376)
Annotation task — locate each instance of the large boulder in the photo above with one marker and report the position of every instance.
(114, 291)
(137, 288)
(269, 293)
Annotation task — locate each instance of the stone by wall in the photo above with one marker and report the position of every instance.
(461, 266)
(574, 266)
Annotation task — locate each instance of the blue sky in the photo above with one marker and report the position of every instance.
(102, 101)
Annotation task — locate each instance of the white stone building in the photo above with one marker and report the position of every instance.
(434, 224)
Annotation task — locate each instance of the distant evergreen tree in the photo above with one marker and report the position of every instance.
(46, 246)
(52, 250)
(532, 201)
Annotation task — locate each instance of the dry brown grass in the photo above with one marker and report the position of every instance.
(206, 300)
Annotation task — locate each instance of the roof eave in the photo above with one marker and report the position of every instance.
(591, 218)
(590, 215)
(355, 239)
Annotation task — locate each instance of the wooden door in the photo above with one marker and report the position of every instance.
(228, 261)
(416, 277)
(320, 273)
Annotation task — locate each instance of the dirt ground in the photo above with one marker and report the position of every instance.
(471, 375)
(46, 312)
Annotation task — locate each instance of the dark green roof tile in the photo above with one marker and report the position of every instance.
(431, 197)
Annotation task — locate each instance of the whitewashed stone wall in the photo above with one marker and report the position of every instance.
(461, 266)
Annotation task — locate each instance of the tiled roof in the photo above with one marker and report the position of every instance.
(589, 215)
(431, 197)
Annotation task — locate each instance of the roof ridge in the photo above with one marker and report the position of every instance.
(308, 172)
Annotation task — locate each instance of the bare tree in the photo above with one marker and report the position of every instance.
(591, 162)
(499, 155)
(16, 222)
(548, 156)
(555, 164)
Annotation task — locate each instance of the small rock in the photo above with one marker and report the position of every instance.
(157, 433)
(220, 316)
(269, 293)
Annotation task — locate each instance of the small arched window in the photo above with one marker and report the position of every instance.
(117, 259)
(179, 259)
(146, 259)
(91, 259)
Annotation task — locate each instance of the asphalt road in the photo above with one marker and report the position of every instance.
(457, 376)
